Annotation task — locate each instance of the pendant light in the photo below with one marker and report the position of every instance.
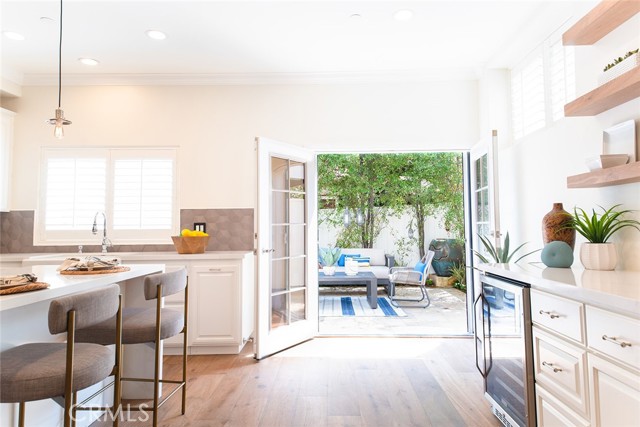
(59, 121)
(359, 217)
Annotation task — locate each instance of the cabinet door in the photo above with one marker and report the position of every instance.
(216, 300)
(615, 397)
(553, 413)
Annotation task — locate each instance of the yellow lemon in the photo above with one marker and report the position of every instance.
(185, 232)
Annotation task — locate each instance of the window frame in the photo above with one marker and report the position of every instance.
(42, 237)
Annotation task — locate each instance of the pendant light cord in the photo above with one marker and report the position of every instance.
(60, 60)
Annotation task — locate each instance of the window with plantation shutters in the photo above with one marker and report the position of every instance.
(541, 85)
(136, 188)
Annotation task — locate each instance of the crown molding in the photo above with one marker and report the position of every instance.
(231, 79)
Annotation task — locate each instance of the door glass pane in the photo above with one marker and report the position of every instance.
(296, 208)
(278, 275)
(297, 240)
(279, 171)
(297, 272)
(298, 308)
(279, 207)
(296, 176)
(278, 310)
(279, 240)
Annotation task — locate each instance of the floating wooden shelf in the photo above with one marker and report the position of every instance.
(600, 21)
(618, 91)
(617, 175)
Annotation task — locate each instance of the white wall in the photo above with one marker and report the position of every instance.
(215, 127)
(396, 228)
(534, 169)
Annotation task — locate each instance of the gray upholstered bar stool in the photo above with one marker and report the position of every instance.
(151, 325)
(38, 371)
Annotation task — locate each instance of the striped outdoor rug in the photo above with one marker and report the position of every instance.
(357, 306)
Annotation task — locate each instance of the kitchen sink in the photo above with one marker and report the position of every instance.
(57, 258)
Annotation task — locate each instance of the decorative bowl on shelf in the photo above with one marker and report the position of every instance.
(605, 161)
(190, 244)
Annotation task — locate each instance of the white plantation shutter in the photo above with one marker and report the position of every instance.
(76, 189)
(541, 86)
(528, 100)
(142, 194)
(136, 188)
(562, 77)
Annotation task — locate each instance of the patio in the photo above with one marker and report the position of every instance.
(446, 316)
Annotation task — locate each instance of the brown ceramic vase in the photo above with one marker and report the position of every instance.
(554, 225)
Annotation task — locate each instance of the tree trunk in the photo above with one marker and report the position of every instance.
(420, 228)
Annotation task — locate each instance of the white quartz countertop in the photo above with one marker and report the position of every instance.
(618, 291)
(65, 285)
(33, 259)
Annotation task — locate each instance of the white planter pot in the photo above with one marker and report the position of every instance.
(598, 256)
(329, 270)
(351, 267)
(619, 69)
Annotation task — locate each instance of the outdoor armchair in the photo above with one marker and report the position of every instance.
(416, 276)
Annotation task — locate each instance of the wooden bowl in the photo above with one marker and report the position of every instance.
(190, 244)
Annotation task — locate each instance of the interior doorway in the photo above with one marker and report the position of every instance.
(395, 207)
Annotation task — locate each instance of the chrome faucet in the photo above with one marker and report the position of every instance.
(105, 241)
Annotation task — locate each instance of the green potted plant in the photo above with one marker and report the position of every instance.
(499, 255)
(328, 258)
(598, 253)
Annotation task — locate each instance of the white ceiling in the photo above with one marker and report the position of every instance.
(290, 39)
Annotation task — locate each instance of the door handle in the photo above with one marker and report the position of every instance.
(475, 333)
(266, 251)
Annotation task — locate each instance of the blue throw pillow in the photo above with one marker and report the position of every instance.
(344, 256)
(420, 268)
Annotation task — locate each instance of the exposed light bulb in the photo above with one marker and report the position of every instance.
(58, 131)
(59, 121)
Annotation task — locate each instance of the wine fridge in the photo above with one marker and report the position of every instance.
(504, 354)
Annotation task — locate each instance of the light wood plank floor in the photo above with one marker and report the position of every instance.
(331, 382)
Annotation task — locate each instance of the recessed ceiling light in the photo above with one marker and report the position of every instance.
(89, 61)
(13, 36)
(156, 35)
(46, 19)
(356, 16)
(403, 15)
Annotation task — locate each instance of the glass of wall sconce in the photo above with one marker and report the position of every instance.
(347, 217)
(359, 217)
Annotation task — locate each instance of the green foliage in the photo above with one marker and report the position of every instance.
(620, 59)
(459, 274)
(384, 185)
(599, 228)
(329, 256)
(500, 255)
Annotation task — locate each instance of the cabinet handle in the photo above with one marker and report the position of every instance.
(550, 365)
(215, 269)
(614, 340)
(550, 314)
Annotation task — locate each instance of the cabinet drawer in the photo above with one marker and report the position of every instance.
(558, 314)
(615, 335)
(552, 413)
(561, 368)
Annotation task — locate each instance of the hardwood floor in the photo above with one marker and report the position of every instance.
(333, 382)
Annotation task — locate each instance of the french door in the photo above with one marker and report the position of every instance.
(485, 209)
(287, 295)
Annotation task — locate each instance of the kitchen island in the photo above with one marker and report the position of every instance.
(24, 318)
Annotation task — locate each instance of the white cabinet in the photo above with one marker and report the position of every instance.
(6, 150)
(587, 364)
(615, 399)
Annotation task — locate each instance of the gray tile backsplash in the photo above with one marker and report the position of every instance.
(230, 230)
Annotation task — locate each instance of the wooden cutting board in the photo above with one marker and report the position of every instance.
(87, 272)
(24, 288)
